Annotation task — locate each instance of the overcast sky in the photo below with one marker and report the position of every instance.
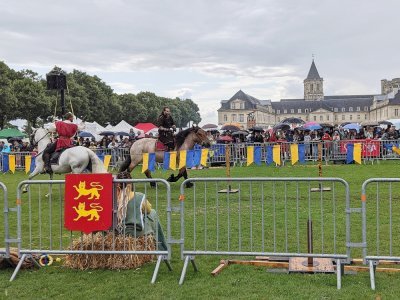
(207, 50)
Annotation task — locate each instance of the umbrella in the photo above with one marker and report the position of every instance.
(85, 134)
(281, 126)
(122, 133)
(352, 126)
(369, 123)
(293, 121)
(10, 132)
(344, 124)
(312, 126)
(230, 127)
(224, 138)
(326, 125)
(240, 132)
(380, 123)
(212, 130)
(209, 126)
(257, 128)
(12, 139)
(107, 133)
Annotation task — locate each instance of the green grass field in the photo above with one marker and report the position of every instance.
(235, 281)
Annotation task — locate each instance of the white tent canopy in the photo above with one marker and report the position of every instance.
(124, 126)
(94, 128)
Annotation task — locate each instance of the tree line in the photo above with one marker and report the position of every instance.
(23, 95)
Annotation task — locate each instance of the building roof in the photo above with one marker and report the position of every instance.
(313, 73)
(396, 99)
(328, 103)
(243, 96)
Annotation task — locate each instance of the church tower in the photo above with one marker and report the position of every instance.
(313, 85)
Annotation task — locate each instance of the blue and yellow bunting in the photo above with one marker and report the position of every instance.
(297, 153)
(254, 155)
(149, 162)
(353, 153)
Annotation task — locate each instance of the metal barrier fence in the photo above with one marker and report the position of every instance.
(4, 251)
(380, 205)
(332, 151)
(40, 215)
(266, 217)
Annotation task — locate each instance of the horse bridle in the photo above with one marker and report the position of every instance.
(36, 143)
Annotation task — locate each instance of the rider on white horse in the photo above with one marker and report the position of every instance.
(66, 130)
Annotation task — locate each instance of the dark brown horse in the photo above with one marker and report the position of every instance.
(184, 140)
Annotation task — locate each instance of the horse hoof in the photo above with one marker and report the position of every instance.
(171, 178)
(153, 184)
(189, 185)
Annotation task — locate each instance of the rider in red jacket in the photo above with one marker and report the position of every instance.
(66, 131)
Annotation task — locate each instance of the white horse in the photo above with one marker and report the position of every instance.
(75, 159)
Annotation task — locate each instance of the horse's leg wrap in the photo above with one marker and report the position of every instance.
(171, 178)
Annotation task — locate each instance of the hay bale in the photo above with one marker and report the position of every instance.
(101, 241)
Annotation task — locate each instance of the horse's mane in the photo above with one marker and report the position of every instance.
(182, 135)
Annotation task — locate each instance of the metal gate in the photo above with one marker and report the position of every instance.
(266, 217)
(41, 230)
(381, 223)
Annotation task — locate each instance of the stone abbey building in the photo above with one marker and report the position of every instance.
(315, 106)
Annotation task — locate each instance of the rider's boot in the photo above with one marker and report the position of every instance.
(47, 164)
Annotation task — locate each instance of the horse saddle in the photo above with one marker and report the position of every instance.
(55, 156)
(161, 146)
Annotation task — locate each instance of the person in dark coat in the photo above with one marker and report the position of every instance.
(166, 128)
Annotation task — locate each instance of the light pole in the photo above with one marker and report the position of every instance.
(57, 80)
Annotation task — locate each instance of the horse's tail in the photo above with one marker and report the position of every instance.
(97, 164)
(125, 164)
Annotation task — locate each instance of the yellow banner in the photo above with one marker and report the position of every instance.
(357, 153)
(276, 154)
(182, 159)
(107, 159)
(294, 153)
(204, 156)
(396, 150)
(250, 155)
(11, 162)
(28, 161)
(145, 165)
(172, 160)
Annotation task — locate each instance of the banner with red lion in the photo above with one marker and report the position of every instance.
(88, 202)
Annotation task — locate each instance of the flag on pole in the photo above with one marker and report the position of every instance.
(268, 157)
(5, 163)
(294, 153)
(353, 153)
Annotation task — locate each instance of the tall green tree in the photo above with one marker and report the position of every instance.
(8, 101)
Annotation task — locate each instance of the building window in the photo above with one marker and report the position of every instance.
(285, 111)
(358, 108)
(342, 117)
(321, 118)
(234, 117)
(278, 111)
(241, 105)
(232, 105)
(292, 111)
(299, 111)
(335, 117)
(351, 117)
(306, 110)
(396, 112)
(365, 108)
(358, 117)
(365, 116)
(350, 109)
(335, 109)
(279, 119)
(315, 118)
(241, 118)
(343, 109)
(306, 118)
(225, 118)
(327, 117)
